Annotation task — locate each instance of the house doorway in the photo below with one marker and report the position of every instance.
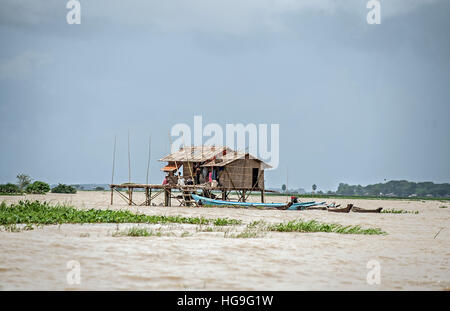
(255, 173)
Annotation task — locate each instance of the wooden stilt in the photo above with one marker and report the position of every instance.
(147, 196)
(170, 197)
(186, 198)
(167, 196)
(130, 196)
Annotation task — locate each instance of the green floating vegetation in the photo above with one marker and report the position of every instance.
(398, 211)
(144, 232)
(185, 234)
(136, 232)
(206, 229)
(315, 226)
(11, 228)
(226, 222)
(255, 229)
(36, 212)
(15, 228)
(247, 233)
(442, 206)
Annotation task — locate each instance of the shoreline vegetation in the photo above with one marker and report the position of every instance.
(42, 213)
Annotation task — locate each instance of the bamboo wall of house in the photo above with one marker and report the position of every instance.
(188, 169)
(241, 174)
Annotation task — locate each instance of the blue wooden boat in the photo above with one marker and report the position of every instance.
(295, 206)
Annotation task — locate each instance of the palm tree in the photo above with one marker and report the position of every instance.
(314, 187)
(283, 187)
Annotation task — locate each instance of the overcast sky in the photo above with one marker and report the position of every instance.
(356, 103)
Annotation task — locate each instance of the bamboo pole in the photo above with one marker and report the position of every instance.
(147, 196)
(287, 182)
(113, 166)
(188, 163)
(130, 196)
(112, 195)
(148, 161)
(167, 196)
(124, 197)
(129, 159)
(170, 141)
(114, 160)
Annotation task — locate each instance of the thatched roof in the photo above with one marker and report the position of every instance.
(195, 154)
(231, 157)
(215, 156)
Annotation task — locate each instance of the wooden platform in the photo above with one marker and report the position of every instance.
(184, 198)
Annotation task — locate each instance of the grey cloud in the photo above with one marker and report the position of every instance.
(376, 96)
(232, 17)
(22, 65)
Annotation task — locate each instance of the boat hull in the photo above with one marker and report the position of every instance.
(214, 202)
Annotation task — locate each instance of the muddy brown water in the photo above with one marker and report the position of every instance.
(185, 257)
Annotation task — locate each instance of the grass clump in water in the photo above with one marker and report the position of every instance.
(398, 211)
(134, 231)
(15, 228)
(185, 234)
(226, 222)
(212, 228)
(246, 234)
(315, 226)
(442, 206)
(139, 232)
(255, 229)
(43, 213)
(144, 232)
(11, 228)
(205, 229)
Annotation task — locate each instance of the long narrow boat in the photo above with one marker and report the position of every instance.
(295, 206)
(341, 209)
(363, 210)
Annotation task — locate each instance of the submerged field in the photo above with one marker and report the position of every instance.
(179, 248)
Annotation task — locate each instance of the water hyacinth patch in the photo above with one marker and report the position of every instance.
(36, 212)
(315, 226)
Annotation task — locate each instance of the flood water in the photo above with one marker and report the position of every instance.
(410, 256)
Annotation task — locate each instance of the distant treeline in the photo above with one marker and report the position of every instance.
(90, 187)
(398, 188)
(24, 185)
(62, 188)
(38, 187)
